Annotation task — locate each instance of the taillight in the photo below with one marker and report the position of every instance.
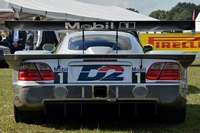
(35, 71)
(164, 71)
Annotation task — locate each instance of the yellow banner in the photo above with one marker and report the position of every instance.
(172, 41)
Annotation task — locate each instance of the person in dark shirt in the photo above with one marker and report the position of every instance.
(43, 37)
(17, 39)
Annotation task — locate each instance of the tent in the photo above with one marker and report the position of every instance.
(67, 10)
(197, 23)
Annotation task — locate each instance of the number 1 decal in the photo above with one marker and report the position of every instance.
(139, 75)
(61, 75)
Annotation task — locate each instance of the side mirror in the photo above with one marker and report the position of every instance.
(49, 47)
(148, 47)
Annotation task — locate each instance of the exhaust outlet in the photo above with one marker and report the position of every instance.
(100, 92)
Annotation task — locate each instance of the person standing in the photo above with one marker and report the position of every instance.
(37, 40)
(43, 37)
(29, 41)
(17, 39)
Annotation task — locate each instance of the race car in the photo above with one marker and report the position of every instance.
(100, 65)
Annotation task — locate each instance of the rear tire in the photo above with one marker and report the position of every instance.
(29, 117)
(175, 116)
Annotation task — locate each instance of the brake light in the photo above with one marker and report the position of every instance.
(164, 71)
(35, 71)
(100, 60)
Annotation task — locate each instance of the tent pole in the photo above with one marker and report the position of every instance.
(16, 13)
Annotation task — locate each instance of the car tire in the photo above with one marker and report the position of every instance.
(28, 117)
(6, 66)
(175, 116)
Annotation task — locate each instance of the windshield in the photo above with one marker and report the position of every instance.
(76, 43)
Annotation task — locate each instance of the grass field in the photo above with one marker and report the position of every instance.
(191, 125)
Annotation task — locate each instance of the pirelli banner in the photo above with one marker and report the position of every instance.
(172, 41)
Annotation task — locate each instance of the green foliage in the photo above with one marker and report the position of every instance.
(182, 11)
(132, 9)
(159, 14)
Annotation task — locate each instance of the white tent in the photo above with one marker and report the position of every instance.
(70, 10)
(197, 23)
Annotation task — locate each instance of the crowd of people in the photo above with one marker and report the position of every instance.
(30, 40)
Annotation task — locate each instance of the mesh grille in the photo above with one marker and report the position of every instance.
(36, 95)
(165, 94)
(124, 91)
(76, 92)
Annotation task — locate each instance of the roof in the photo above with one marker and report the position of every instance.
(69, 10)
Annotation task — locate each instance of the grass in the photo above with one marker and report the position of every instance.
(191, 124)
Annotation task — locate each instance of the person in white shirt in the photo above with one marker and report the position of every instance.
(43, 37)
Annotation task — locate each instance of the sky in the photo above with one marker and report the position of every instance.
(144, 7)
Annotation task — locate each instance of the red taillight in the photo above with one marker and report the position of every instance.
(164, 71)
(35, 71)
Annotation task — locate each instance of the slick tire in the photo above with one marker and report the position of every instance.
(175, 116)
(28, 117)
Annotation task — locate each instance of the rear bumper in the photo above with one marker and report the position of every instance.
(33, 97)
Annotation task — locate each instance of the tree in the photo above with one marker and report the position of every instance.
(159, 14)
(182, 11)
(132, 9)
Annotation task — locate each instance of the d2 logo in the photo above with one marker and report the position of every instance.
(101, 74)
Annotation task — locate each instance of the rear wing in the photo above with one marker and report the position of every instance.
(15, 60)
(101, 25)
(184, 59)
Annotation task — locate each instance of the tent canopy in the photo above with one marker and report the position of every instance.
(68, 10)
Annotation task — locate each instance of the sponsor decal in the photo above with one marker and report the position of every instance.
(139, 75)
(173, 41)
(60, 69)
(101, 73)
(99, 25)
(134, 69)
(61, 75)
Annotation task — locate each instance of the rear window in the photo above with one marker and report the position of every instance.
(77, 43)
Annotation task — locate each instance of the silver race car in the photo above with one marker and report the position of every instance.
(100, 65)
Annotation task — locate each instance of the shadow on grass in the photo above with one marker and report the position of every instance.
(107, 122)
(124, 124)
(193, 90)
(100, 123)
